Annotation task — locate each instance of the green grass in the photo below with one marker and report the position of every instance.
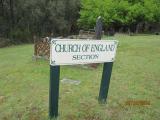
(24, 84)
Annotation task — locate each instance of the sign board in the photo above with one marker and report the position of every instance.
(70, 51)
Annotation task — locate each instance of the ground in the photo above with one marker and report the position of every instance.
(24, 84)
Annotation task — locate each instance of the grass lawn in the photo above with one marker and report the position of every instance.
(24, 84)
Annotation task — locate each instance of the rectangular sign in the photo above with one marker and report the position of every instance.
(76, 51)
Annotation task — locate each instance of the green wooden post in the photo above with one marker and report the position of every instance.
(107, 71)
(54, 91)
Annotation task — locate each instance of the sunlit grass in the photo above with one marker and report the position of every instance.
(24, 84)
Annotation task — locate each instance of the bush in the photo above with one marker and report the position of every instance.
(4, 42)
(20, 36)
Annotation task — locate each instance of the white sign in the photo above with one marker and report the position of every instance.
(73, 51)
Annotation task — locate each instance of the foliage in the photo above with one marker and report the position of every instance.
(39, 17)
(119, 12)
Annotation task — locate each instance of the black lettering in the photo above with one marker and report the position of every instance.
(74, 57)
(58, 48)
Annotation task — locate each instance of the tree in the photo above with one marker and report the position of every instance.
(38, 17)
(119, 12)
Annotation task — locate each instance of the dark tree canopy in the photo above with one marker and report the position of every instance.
(20, 19)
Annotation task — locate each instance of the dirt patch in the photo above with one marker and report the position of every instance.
(113, 112)
(158, 98)
(137, 102)
(34, 113)
(2, 99)
(71, 117)
(92, 117)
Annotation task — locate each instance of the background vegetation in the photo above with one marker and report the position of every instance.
(120, 13)
(21, 19)
(24, 84)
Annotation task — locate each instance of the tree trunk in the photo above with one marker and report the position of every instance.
(12, 13)
(2, 8)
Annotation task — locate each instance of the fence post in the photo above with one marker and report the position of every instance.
(106, 75)
(54, 91)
